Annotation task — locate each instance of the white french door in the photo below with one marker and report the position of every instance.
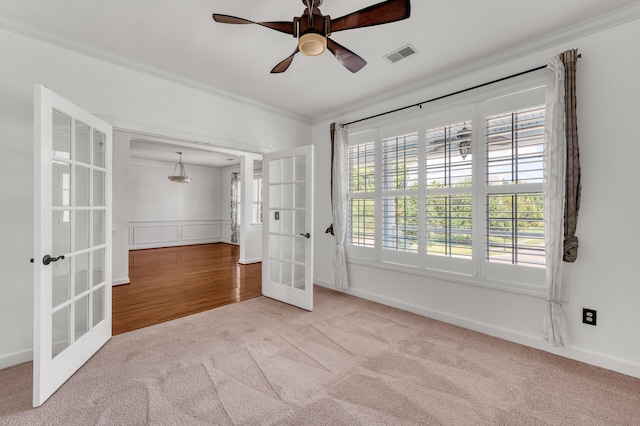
(72, 228)
(287, 265)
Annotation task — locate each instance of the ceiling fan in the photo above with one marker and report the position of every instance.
(313, 29)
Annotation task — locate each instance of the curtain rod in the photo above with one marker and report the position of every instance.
(419, 104)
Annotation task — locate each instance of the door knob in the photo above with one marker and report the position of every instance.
(48, 259)
(307, 235)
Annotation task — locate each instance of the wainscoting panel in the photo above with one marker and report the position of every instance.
(154, 234)
(198, 232)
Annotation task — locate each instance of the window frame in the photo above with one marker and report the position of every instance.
(360, 138)
(256, 198)
(526, 91)
(490, 107)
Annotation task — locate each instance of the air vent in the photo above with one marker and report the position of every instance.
(401, 53)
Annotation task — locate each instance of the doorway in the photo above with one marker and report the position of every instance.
(159, 222)
(173, 282)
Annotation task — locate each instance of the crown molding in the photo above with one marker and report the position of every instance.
(595, 25)
(77, 46)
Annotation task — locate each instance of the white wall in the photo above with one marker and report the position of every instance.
(165, 213)
(121, 148)
(129, 99)
(605, 275)
(152, 197)
(251, 234)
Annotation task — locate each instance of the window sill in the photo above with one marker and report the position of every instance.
(511, 287)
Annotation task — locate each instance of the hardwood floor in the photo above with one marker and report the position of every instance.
(173, 282)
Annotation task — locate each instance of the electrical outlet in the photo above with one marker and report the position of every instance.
(589, 316)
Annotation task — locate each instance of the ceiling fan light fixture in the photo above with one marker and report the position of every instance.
(312, 44)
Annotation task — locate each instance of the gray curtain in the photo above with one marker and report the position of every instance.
(572, 182)
(234, 207)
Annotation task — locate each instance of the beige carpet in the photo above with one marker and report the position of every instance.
(349, 362)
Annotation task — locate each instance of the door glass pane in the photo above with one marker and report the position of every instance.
(98, 148)
(82, 142)
(60, 332)
(60, 282)
(82, 316)
(275, 200)
(98, 227)
(300, 195)
(286, 217)
(300, 168)
(287, 170)
(98, 188)
(287, 274)
(274, 246)
(98, 305)
(287, 248)
(274, 171)
(82, 229)
(82, 186)
(60, 184)
(299, 277)
(287, 196)
(300, 249)
(300, 224)
(98, 266)
(82, 273)
(274, 271)
(61, 135)
(61, 232)
(274, 224)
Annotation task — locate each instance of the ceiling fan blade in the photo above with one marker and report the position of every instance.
(282, 66)
(347, 58)
(381, 13)
(283, 27)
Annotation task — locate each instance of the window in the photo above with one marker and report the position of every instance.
(514, 178)
(448, 211)
(257, 197)
(400, 193)
(361, 216)
(456, 191)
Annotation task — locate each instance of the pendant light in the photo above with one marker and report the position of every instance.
(182, 177)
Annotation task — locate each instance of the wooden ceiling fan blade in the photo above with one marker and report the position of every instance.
(283, 27)
(381, 13)
(347, 58)
(284, 65)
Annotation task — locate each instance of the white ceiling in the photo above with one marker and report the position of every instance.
(181, 38)
(167, 152)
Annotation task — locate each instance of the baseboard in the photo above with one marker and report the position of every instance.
(120, 281)
(588, 357)
(249, 261)
(15, 358)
